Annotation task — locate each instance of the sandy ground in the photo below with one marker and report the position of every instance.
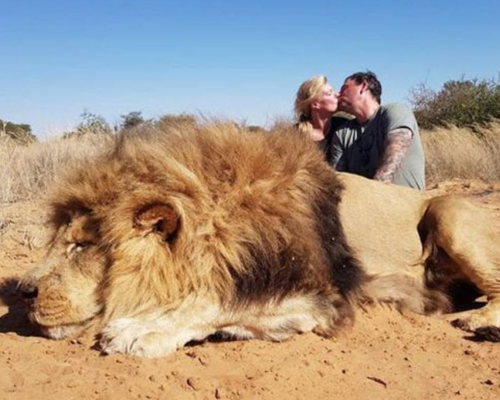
(385, 356)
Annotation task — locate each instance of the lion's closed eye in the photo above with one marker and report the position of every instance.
(77, 247)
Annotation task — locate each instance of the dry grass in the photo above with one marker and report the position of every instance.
(26, 170)
(461, 153)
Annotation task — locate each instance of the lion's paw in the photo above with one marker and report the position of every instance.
(118, 336)
(485, 323)
(134, 338)
(489, 333)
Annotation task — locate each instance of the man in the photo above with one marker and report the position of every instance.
(382, 142)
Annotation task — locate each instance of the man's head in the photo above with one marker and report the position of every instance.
(359, 89)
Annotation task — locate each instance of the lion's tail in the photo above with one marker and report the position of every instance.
(404, 293)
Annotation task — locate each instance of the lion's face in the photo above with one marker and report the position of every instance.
(63, 293)
(95, 264)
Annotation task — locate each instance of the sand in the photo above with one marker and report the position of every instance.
(386, 355)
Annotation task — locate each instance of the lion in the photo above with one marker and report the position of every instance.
(177, 234)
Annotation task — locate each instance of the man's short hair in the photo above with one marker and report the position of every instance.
(371, 79)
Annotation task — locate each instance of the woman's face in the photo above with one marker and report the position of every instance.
(326, 101)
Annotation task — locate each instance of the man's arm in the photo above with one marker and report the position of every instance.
(397, 144)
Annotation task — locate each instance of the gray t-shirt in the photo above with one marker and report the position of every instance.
(359, 149)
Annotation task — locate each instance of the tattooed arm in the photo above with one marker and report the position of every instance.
(397, 144)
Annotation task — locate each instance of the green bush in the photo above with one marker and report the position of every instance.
(463, 103)
(91, 124)
(20, 133)
(131, 120)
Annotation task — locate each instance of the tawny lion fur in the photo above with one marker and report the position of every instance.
(173, 236)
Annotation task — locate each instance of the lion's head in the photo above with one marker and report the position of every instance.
(116, 241)
(91, 256)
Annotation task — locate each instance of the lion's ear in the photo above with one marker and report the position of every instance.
(161, 219)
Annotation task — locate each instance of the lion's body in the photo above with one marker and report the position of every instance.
(173, 237)
(434, 240)
(371, 208)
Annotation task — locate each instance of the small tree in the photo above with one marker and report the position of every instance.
(91, 124)
(131, 120)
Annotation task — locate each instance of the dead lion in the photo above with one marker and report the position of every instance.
(176, 235)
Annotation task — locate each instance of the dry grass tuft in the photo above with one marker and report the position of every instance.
(26, 170)
(462, 153)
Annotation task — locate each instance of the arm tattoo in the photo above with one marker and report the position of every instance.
(396, 147)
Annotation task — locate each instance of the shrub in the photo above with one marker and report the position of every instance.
(131, 120)
(91, 124)
(20, 133)
(462, 103)
(255, 128)
(176, 120)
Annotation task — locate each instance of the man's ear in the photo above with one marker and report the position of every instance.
(364, 87)
(158, 218)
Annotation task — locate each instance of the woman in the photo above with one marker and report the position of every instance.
(315, 104)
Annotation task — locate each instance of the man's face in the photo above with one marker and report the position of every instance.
(350, 95)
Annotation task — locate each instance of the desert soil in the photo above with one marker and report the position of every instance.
(385, 356)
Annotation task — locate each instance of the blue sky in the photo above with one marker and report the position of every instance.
(238, 59)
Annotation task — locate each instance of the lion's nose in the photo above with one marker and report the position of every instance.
(28, 292)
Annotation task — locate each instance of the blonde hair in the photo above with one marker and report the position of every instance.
(306, 94)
